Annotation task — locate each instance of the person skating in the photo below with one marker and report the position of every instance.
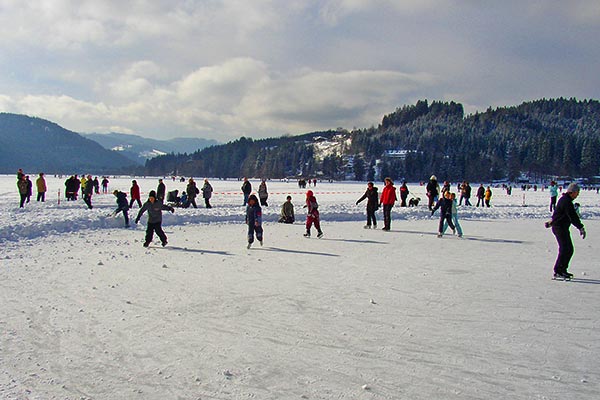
(254, 220)
(40, 184)
(161, 190)
(372, 204)
(480, 195)
(155, 208)
(553, 189)
(135, 194)
(88, 191)
(22, 186)
(488, 196)
(465, 193)
(404, 192)
(29, 188)
(207, 190)
(564, 215)
(313, 216)
(104, 185)
(388, 198)
(246, 190)
(445, 206)
(263, 194)
(459, 230)
(287, 211)
(96, 185)
(122, 206)
(433, 191)
(192, 191)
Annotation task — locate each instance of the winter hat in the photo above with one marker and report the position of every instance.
(152, 194)
(573, 188)
(433, 178)
(309, 193)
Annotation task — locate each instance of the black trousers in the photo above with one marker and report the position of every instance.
(447, 218)
(371, 216)
(552, 203)
(41, 196)
(139, 203)
(252, 230)
(88, 200)
(565, 249)
(207, 202)
(387, 216)
(155, 227)
(23, 198)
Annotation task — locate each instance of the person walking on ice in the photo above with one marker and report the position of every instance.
(313, 215)
(254, 220)
(388, 198)
(372, 204)
(564, 215)
(454, 217)
(155, 208)
(445, 206)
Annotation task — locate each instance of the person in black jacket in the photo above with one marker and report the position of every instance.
(480, 195)
(246, 189)
(155, 208)
(445, 206)
(372, 204)
(254, 220)
(564, 215)
(161, 190)
(122, 206)
(192, 191)
(433, 191)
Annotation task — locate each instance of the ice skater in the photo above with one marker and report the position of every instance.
(372, 204)
(122, 206)
(454, 217)
(155, 208)
(445, 206)
(564, 215)
(254, 220)
(313, 214)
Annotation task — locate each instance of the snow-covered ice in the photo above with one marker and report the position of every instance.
(88, 313)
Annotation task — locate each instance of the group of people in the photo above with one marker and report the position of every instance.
(25, 187)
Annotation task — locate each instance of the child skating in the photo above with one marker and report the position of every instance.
(254, 220)
(155, 208)
(313, 214)
(445, 206)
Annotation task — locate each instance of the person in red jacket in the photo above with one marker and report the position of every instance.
(313, 215)
(388, 198)
(135, 194)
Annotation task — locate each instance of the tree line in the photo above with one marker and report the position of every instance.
(540, 138)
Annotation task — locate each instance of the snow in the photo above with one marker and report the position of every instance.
(88, 313)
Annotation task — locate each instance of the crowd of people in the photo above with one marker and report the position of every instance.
(564, 210)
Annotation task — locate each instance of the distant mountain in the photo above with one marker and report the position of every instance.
(37, 145)
(140, 149)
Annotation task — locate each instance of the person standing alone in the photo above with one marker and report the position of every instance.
(564, 215)
(135, 194)
(553, 189)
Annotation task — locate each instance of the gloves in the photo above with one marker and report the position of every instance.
(582, 233)
(172, 210)
(357, 203)
(137, 220)
(548, 224)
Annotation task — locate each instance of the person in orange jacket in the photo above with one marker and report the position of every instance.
(388, 198)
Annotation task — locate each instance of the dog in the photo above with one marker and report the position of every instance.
(414, 201)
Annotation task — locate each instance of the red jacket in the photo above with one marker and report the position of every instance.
(135, 192)
(388, 195)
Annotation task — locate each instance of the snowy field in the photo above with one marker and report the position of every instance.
(88, 313)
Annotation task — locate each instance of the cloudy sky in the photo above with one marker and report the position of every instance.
(222, 69)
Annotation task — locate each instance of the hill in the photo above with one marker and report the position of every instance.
(140, 149)
(37, 145)
(539, 139)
